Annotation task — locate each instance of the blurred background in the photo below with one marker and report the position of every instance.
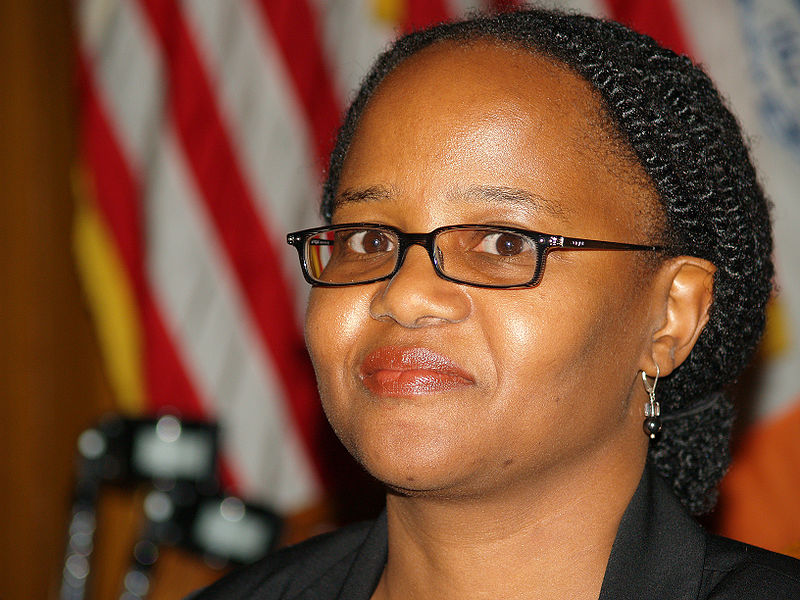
(153, 154)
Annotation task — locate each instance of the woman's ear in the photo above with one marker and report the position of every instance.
(681, 301)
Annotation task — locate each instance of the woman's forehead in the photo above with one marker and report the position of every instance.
(492, 94)
(484, 72)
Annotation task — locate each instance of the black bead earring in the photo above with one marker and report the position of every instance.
(652, 411)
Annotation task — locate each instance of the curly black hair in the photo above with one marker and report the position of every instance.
(668, 113)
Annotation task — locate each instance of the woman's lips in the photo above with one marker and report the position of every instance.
(398, 372)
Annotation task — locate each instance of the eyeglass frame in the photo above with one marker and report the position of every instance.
(427, 240)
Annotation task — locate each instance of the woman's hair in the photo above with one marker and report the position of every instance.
(690, 145)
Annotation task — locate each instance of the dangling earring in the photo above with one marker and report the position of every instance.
(652, 411)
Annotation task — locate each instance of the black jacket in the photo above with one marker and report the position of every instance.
(659, 553)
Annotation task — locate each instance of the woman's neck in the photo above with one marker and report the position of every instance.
(546, 539)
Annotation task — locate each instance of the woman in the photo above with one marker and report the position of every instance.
(496, 379)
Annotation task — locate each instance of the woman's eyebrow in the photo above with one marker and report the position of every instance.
(354, 196)
(515, 196)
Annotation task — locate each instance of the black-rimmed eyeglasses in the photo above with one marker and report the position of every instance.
(478, 255)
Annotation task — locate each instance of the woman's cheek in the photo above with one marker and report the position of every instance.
(534, 339)
(334, 320)
(319, 334)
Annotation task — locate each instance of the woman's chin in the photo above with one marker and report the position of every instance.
(410, 471)
(440, 472)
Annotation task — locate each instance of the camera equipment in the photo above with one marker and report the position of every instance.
(185, 507)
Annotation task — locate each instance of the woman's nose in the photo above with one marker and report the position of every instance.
(417, 297)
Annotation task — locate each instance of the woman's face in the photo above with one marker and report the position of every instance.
(440, 388)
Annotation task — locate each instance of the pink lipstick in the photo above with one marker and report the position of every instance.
(392, 371)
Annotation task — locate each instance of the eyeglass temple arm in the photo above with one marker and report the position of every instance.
(568, 243)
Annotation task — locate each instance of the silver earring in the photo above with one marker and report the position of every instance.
(652, 411)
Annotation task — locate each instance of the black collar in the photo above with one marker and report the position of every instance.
(367, 568)
(659, 549)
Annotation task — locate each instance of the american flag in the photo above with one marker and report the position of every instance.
(205, 127)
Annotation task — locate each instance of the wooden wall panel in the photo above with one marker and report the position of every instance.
(51, 383)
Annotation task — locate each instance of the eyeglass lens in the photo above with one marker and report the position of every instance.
(478, 255)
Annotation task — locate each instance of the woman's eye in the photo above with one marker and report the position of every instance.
(503, 244)
(370, 242)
